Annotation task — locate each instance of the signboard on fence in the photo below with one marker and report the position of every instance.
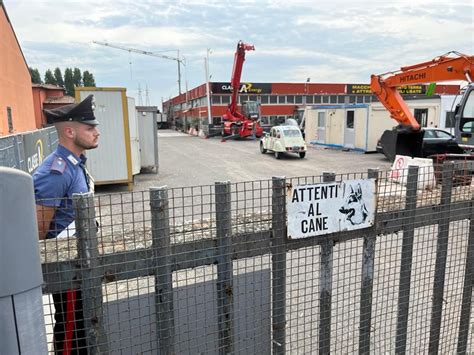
(36, 146)
(314, 210)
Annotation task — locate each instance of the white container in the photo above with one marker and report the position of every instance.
(111, 162)
(148, 137)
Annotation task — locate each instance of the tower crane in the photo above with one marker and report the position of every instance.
(177, 58)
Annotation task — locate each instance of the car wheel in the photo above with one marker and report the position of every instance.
(278, 155)
(262, 150)
(302, 155)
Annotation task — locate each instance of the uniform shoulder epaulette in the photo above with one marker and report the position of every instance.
(59, 165)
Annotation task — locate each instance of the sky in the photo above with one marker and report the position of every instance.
(336, 41)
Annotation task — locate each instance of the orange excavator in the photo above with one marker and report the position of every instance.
(407, 137)
(234, 123)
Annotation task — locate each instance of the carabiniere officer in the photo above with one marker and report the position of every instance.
(62, 174)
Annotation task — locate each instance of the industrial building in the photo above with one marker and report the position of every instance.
(280, 101)
(16, 98)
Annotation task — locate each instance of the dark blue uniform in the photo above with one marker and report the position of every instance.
(60, 175)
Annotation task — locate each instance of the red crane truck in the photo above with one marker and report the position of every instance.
(243, 124)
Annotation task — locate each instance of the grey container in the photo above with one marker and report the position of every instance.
(22, 328)
(147, 129)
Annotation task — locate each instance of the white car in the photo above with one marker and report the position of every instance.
(283, 139)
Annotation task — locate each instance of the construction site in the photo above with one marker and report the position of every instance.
(270, 207)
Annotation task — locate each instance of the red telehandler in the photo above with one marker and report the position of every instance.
(234, 123)
(407, 138)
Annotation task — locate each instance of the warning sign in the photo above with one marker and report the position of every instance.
(320, 209)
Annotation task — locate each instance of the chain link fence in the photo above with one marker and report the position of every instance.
(210, 270)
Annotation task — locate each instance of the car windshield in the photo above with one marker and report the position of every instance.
(291, 133)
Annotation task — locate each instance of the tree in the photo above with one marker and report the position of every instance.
(59, 77)
(49, 78)
(77, 77)
(69, 82)
(88, 79)
(35, 76)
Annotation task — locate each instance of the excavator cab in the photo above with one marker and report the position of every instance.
(464, 117)
(251, 110)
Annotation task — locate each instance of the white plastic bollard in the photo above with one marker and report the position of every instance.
(22, 328)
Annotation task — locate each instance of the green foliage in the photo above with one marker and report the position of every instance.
(35, 76)
(49, 78)
(77, 77)
(88, 79)
(72, 78)
(68, 82)
(59, 77)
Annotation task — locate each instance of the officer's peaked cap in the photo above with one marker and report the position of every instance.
(82, 112)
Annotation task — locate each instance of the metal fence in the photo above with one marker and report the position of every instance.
(208, 269)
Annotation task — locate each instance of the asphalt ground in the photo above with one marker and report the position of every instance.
(186, 160)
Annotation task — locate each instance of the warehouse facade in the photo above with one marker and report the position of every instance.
(279, 101)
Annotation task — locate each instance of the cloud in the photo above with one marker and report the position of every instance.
(338, 41)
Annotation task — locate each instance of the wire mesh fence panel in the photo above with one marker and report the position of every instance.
(210, 269)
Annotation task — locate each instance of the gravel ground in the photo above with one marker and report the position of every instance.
(187, 161)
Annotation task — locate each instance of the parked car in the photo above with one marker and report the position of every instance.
(435, 141)
(283, 139)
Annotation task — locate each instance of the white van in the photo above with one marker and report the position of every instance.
(283, 139)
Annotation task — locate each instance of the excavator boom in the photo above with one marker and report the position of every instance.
(442, 68)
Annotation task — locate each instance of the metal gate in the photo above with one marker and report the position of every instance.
(208, 269)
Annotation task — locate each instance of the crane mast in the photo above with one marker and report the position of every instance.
(157, 55)
(239, 59)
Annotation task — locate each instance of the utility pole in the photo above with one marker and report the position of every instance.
(208, 91)
(177, 59)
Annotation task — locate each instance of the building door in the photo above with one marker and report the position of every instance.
(349, 123)
(321, 127)
(421, 116)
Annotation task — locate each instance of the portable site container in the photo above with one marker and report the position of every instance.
(147, 118)
(360, 126)
(111, 162)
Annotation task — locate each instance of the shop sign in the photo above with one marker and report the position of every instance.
(245, 88)
(364, 89)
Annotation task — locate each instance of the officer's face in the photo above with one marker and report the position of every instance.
(86, 136)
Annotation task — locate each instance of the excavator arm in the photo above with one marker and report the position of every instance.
(450, 66)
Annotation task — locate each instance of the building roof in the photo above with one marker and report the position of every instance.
(60, 100)
(147, 108)
(47, 86)
(13, 31)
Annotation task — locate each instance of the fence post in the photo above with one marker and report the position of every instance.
(406, 259)
(325, 293)
(225, 289)
(367, 281)
(465, 316)
(278, 250)
(90, 272)
(160, 229)
(22, 328)
(441, 254)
